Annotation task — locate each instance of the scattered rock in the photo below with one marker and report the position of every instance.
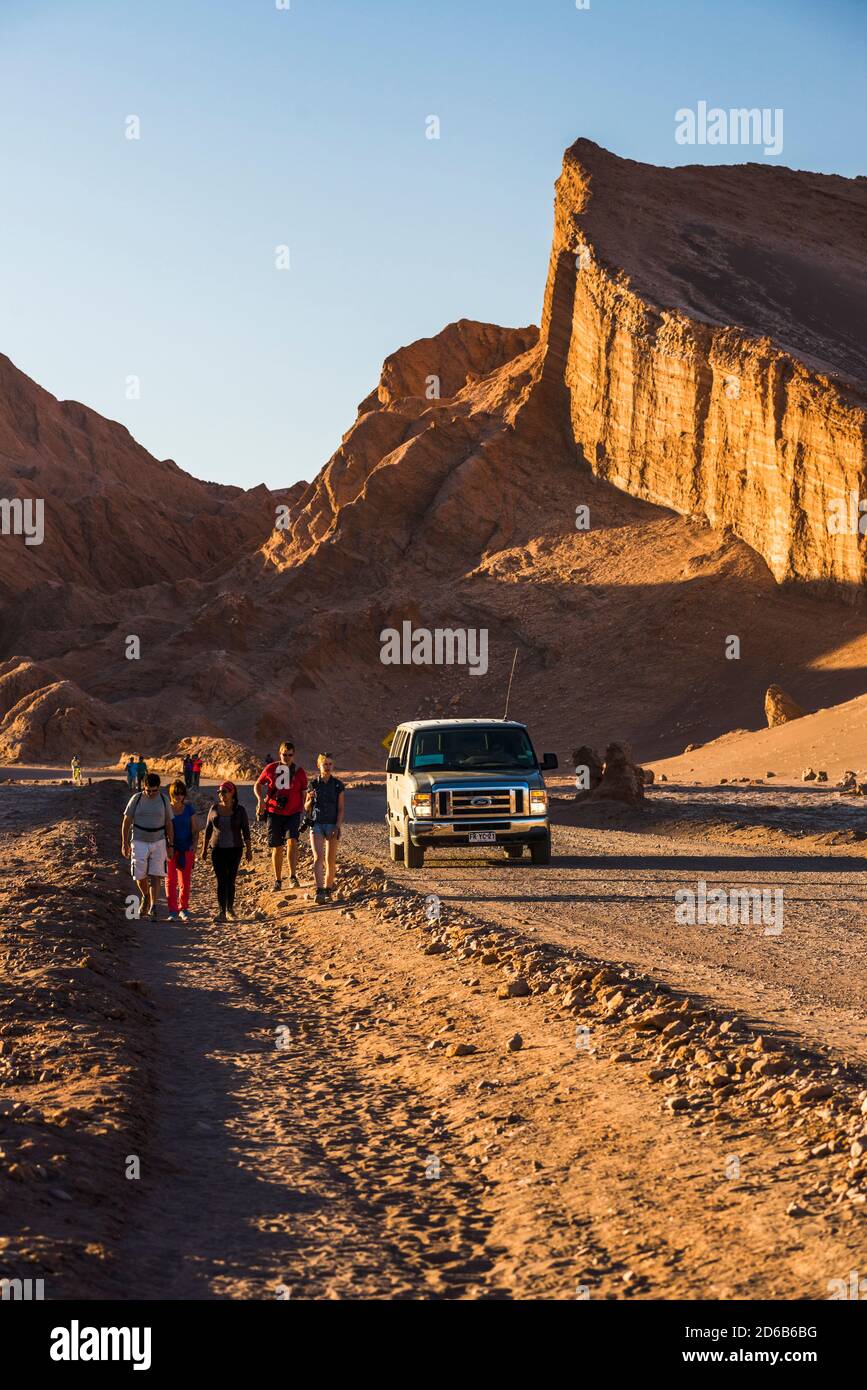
(515, 1043)
(780, 708)
(514, 989)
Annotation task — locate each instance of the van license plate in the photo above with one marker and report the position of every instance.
(483, 837)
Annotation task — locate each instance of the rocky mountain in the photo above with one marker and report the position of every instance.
(616, 496)
(709, 326)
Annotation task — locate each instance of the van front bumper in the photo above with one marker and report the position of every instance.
(517, 830)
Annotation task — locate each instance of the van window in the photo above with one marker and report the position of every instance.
(473, 747)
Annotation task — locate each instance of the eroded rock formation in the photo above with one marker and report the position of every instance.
(780, 708)
(708, 324)
(700, 353)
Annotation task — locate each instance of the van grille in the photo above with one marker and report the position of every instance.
(480, 801)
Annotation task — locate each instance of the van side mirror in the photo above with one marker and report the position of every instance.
(549, 762)
(394, 765)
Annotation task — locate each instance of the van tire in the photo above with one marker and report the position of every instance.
(540, 850)
(395, 848)
(413, 855)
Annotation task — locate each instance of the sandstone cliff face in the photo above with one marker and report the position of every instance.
(708, 324)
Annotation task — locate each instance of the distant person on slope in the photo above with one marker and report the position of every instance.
(188, 771)
(141, 772)
(186, 838)
(147, 836)
(197, 768)
(228, 821)
(279, 791)
(324, 804)
(76, 771)
(131, 775)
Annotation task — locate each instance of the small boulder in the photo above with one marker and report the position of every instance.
(514, 989)
(780, 708)
(515, 1043)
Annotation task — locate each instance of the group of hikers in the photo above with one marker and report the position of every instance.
(137, 771)
(160, 833)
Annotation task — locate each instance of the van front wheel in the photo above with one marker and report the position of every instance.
(540, 850)
(395, 848)
(413, 855)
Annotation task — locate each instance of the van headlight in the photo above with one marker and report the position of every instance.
(538, 803)
(421, 804)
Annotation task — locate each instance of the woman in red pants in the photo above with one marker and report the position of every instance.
(186, 827)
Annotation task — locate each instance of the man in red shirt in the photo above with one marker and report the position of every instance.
(279, 791)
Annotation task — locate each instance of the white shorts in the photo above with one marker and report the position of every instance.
(148, 859)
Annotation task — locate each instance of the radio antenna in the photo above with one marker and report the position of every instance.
(509, 691)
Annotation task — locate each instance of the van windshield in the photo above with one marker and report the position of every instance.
(470, 748)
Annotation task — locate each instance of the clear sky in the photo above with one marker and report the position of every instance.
(306, 127)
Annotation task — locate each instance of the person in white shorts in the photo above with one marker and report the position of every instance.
(147, 839)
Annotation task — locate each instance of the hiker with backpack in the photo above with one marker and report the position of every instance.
(147, 837)
(229, 827)
(324, 807)
(186, 828)
(279, 791)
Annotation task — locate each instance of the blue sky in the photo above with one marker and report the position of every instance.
(305, 127)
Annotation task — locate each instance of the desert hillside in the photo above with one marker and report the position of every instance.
(697, 385)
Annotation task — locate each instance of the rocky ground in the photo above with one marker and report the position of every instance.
(481, 1105)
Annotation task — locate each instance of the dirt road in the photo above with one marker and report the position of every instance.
(392, 1145)
(610, 892)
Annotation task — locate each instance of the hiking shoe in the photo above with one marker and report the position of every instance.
(220, 917)
(172, 917)
(151, 914)
(230, 913)
(278, 884)
(293, 882)
(321, 895)
(184, 916)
